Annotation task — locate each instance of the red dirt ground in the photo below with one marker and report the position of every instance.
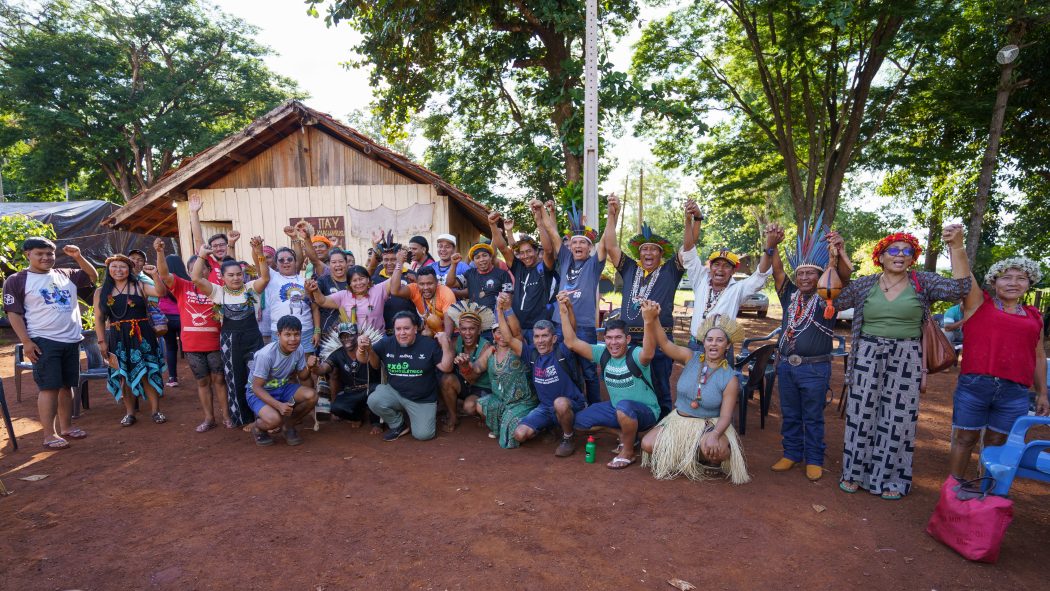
(163, 507)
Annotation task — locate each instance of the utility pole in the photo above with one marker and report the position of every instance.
(590, 117)
(641, 190)
(623, 212)
(3, 162)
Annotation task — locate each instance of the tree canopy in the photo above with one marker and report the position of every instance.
(111, 93)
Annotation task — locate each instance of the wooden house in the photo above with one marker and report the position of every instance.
(296, 163)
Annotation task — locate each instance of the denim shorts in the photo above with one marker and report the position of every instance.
(603, 414)
(284, 393)
(544, 417)
(985, 401)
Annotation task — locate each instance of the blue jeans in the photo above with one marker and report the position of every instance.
(802, 393)
(986, 401)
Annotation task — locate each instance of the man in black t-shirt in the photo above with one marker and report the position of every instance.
(484, 281)
(532, 275)
(412, 363)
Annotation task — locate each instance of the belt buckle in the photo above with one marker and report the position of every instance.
(795, 360)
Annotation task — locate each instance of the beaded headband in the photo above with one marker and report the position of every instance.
(1030, 268)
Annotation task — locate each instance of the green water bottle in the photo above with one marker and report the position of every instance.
(591, 449)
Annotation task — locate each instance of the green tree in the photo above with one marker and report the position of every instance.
(116, 91)
(795, 80)
(13, 230)
(500, 83)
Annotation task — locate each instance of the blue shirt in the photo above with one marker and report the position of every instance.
(442, 272)
(580, 279)
(548, 375)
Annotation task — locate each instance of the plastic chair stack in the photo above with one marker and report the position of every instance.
(1018, 458)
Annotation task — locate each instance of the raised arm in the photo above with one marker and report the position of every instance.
(232, 238)
(74, 253)
(452, 279)
(394, 286)
(320, 299)
(550, 248)
(645, 356)
(550, 226)
(158, 289)
(260, 263)
(198, 267)
(163, 277)
(499, 242)
(609, 239)
(568, 331)
(691, 228)
(953, 236)
(308, 234)
(196, 233)
(447, 352)
(654, 334)
(506, 314)
(772, 233)
(844, 266)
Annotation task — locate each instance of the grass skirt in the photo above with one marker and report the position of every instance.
(677, 451)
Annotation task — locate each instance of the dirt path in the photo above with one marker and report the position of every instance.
(162, 507)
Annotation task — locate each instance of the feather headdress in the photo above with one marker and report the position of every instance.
(811, 247)
(388, 244)
(332, 343)
(734, 332)
(464, 309)
(576, 227)
(647, 236)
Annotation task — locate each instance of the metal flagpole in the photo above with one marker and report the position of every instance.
(590, 118)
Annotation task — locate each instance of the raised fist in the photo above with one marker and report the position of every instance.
(72, 250)
(158, 245)
(196, 203)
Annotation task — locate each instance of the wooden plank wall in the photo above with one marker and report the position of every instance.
(310, 158)
(266, 212)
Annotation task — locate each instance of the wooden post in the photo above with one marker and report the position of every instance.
(590, 117)
(641, 205)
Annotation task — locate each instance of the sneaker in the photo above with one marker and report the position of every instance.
(392, 434)
(567, 446)
(262, 438)
(291, 435)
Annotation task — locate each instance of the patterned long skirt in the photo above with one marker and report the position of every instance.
(238, 348)
(881, 414)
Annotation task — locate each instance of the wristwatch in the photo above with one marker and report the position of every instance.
(772, 250)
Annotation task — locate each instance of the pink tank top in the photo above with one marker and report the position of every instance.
(1001, 344)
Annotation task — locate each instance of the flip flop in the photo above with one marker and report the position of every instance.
(77, 433)
(159, 418)
(848, 487)
(619, 463)
(56, 444)
(891, 496)
(205, 427)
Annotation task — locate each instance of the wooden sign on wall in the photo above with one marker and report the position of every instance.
(333, 226)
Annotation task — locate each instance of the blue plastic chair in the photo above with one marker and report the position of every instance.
(21, 364)
(96, 370)
(1018, 458)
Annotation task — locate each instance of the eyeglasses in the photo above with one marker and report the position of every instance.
(286, 260)
(218, 244)
(896, 251)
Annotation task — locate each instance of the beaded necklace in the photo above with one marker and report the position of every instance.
(712, 298)
(802, 316)
(127, 302)
(1018, 307)
(701, 379)
(638, 294)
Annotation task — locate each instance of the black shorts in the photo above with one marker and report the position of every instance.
(58, 365)
(202, 364)
(467, 389)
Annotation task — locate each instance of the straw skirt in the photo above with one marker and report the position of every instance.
(677, 451)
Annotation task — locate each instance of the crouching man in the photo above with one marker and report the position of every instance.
(632, 407)
(557, 379)
(412, 363)
(277, 401)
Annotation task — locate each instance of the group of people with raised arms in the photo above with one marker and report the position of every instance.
(511, 335)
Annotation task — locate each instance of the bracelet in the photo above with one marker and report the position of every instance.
(507, 313)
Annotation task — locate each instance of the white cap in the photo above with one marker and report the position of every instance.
(447, 238)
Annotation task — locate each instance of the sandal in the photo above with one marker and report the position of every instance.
(172, 383)
(56, 444)
(848, 487)
(891, 496)
(77, 433)
(228, 423)
(159, 418)
(205, 427)
(619, 463)
(128, 421)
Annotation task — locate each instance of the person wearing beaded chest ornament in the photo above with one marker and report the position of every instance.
(804, 349)
(653, 273)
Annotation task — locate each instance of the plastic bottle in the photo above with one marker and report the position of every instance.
(591, 448)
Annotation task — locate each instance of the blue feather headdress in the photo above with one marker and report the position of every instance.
(576, 227)
(647, 236)
(811, 247)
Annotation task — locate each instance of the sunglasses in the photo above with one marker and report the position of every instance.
(896, 251)
(285, 260)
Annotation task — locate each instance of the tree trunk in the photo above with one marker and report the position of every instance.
(991, 154)
(933, 241)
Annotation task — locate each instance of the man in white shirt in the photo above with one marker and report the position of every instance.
(714, 289)
(41, 303)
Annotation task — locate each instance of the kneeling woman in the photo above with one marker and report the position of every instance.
(139, 370)
(698, 434)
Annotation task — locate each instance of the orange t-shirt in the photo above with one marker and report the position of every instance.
(442, 300)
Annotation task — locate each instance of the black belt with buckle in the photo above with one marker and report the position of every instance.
(796, 360)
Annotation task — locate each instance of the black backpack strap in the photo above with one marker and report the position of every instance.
(572, 369)
(602, 362)
(635, 369)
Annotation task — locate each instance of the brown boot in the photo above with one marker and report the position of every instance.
(783, 465)
(814, 472)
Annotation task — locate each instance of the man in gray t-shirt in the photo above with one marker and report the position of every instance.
(272, 394)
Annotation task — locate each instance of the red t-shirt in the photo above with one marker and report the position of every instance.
(1001, 344)
(200, 329)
